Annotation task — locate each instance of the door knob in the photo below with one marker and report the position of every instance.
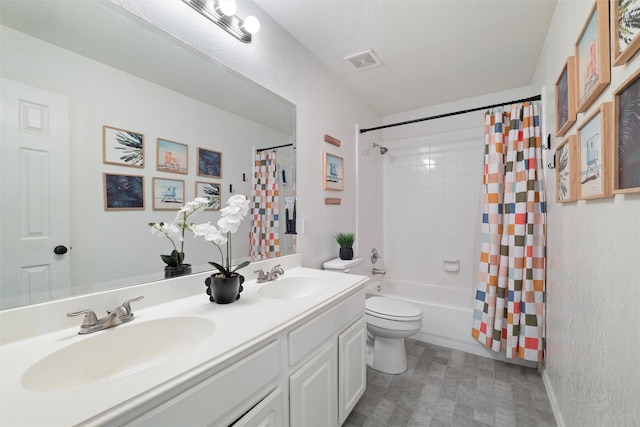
(60, 250)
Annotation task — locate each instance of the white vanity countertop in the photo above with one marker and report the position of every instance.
(238, 326)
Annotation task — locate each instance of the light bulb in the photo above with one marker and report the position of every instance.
(251, 25)
(227, 7)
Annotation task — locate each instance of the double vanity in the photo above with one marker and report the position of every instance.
(289, 352)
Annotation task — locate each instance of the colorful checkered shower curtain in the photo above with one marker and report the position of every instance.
(264, 240)
(509, 306)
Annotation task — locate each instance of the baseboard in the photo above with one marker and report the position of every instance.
(552, 397)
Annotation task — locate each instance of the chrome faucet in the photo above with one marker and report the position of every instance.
(378, 271)
(91, 323)
(275, 272)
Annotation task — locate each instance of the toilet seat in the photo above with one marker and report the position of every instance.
(392, 309)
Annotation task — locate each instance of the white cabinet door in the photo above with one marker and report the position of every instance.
(267, 413)
(352, 376)
(313, 390)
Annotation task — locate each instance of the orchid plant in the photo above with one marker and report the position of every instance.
(174, 230)
(232, 215)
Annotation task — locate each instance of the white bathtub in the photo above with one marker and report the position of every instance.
(447, 313)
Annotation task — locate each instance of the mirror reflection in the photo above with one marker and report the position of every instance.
(109, 124)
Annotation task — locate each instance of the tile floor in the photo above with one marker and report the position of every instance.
(445, 387)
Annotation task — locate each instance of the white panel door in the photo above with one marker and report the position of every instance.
(313, 391)
(34, 195)
(352, 372)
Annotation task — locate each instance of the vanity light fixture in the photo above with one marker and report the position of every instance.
(222, 12)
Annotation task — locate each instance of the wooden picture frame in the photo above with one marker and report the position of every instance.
(593, 61)
(594, 142)
(566, 162)
(168, 194)
(209, 163)
(122, 147)
(625, 30)
(210, 189)
(123, 192)
(172, 156)
(333, 172)
(626, 136)
(565, 96)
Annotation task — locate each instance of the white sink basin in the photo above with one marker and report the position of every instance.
(116, 352)
(293, 287)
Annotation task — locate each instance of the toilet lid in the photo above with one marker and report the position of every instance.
(392, 308)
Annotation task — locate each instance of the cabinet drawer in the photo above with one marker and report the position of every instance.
(306, 338)
(236, 388)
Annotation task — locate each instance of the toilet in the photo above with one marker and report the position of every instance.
(389, 322)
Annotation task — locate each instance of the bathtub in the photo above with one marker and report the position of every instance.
(447, 313)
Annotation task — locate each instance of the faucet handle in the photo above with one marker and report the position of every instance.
(261, 274)
(90, 318)
(126, 305)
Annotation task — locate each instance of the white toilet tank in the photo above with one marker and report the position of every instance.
(342, 265)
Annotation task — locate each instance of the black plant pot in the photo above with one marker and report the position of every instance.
(176, 271)
(346, 253)
(224, 290)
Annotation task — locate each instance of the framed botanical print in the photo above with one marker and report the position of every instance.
(209, 163)
(172, 156)
(593, 61)
(122, 147)
(168, 194)
(211, 190)
(625, 30)
(566, 97)
(123, 192)
(333, 171)
(566, 161)
(626, 135)
(594, 140)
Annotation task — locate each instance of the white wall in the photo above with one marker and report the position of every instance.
(103, 242)
(324, 106)
(593, 274)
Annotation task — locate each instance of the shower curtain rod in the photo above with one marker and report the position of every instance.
(455, 113)
(271, 148)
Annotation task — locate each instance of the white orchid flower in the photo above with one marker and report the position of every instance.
(209, 233)
(229, 224)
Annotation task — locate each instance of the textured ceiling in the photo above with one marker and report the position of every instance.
(432, 51)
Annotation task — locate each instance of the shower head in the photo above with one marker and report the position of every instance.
(383, 150)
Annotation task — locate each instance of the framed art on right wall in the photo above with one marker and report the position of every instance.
(566, 97)
(594, 136)
(626, 135)
(593, 61)
(625, 30)
(566, 170)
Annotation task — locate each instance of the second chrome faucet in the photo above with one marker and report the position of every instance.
(275, 272)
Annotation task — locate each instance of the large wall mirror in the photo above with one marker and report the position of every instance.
(82, 80)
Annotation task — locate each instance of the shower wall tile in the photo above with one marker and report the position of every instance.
(431, 207)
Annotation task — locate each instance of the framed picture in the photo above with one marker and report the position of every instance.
(625, 30)
(566, 97)
(123, 192)
(122, 147)
(593, 61)
(209, 163)
(626, 134)
(172, 156)
(210, 189)
(333, 171)
(168, 194)
(566, 161)
(593, 145)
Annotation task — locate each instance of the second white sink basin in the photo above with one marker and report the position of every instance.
(293, 287)
(116, 352)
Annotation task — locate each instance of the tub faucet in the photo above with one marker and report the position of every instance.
(119, 315)
(378, 271)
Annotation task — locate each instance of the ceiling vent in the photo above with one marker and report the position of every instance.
(364, 60)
